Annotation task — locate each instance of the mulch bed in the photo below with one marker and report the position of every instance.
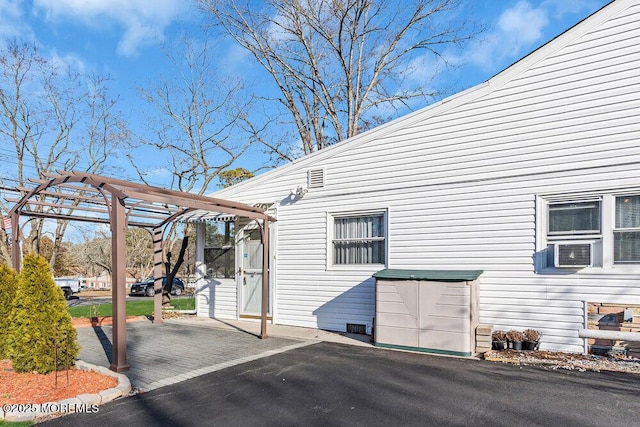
(26, 388)
(83, 322)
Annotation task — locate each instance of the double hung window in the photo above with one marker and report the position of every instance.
(626, 233)
(359, 239)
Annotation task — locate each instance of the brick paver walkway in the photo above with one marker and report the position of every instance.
(160, 355)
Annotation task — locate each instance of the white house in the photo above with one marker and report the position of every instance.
(532, 177)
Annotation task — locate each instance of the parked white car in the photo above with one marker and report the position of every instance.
(69, 286)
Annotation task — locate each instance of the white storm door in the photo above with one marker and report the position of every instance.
(251, 278)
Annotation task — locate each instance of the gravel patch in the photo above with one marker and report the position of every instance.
(569, 361)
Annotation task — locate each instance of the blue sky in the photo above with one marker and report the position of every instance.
(124, 38)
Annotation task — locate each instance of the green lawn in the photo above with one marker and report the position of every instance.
(134, 308)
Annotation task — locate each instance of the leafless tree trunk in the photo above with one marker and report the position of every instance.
(171, 271)
(342, 66)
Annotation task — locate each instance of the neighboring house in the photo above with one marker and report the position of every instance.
(103, 281)
(532, 177)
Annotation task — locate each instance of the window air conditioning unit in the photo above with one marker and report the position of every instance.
(572, 255)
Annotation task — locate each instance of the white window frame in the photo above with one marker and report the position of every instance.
(330, 262)
(603, 242)
(229, 245)
(615, 229)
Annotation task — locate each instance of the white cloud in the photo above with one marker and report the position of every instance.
(157, 172)
(11, 20)
(517, 29)
(235, 59)
(144, 22)
(423, 69)
(522, 25)
(68, 61)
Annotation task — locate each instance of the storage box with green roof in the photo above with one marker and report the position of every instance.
(433, 311)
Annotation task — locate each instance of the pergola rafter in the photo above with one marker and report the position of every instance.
(81, 196)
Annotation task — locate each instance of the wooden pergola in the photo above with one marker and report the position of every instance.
(80, 196)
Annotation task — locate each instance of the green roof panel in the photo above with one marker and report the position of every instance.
(431, 275)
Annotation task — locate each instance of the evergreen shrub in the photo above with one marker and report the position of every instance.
(8, 283)
(41, 336)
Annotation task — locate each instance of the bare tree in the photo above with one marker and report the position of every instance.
(93, 256)
(200, 125)
(51, 117)
(139, 260)
(341, 65)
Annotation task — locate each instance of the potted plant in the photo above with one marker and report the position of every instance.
(93, 316)
(515, 339)
(531, 339)
(499, 340)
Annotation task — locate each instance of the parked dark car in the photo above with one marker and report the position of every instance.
(146, 287)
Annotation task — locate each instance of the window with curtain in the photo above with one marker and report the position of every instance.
(626, 234)
(359, 239)
(219, 250)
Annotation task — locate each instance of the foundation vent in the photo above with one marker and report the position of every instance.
(356, 328)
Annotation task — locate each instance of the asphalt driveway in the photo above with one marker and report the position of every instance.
(335, 384)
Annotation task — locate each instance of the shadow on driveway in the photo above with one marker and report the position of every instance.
(334, 384)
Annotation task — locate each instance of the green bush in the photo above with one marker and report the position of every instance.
(41, 336)
(8, 283)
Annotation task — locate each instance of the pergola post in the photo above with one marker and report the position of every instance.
(16, 256)
(264, 232)
(157, 275)
(118, 285)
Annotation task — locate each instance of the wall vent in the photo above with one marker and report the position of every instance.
(315, 178)
(356, 328)
(573, 254)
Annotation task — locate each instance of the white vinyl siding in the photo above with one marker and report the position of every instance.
(463, 180)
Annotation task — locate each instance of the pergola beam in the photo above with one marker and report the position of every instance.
(147, 189)
(70, 196)
(60, 206)
(82, 218)
(200, 203)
